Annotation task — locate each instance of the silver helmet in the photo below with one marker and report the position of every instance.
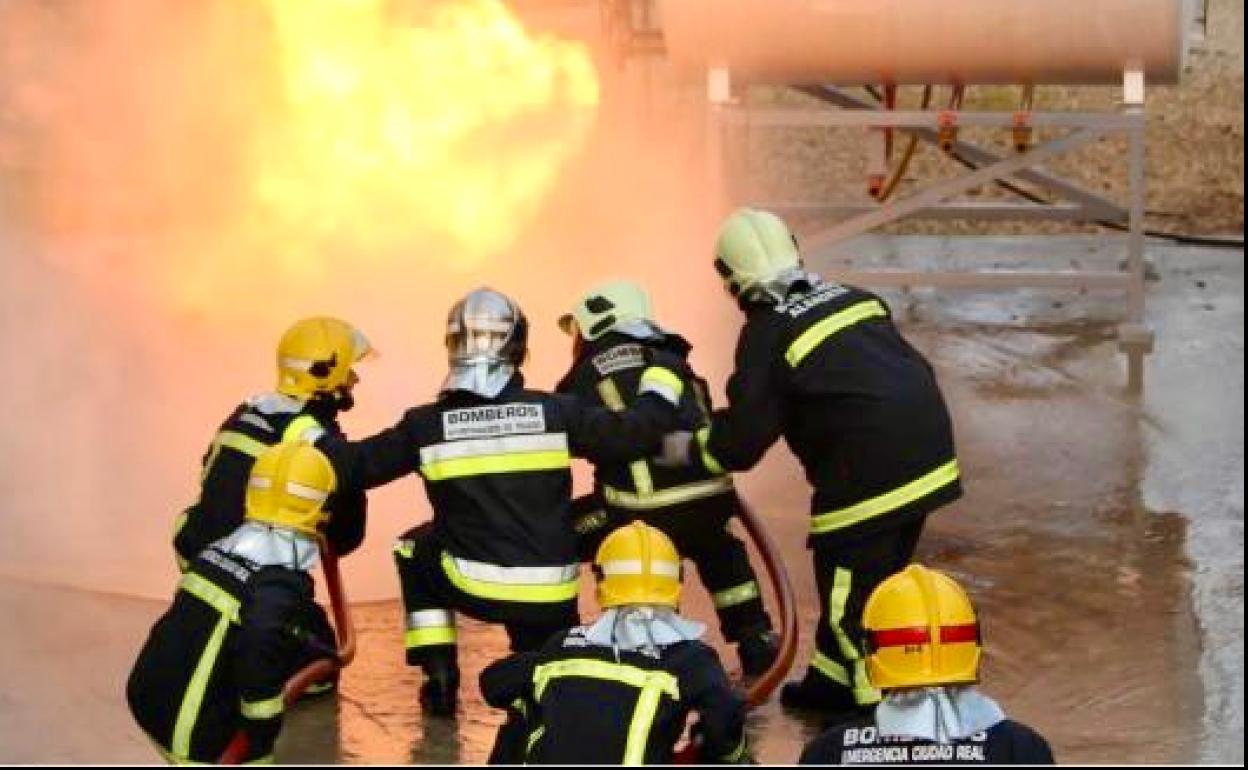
(486, 341)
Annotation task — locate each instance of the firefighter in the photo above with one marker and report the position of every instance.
(822, 364)
(315, 379)
(615, 339)
(924, 647)
(619, 690)
(495, 458)
(217, 661)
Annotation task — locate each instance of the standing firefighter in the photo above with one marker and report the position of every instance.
(315, 379)
(217, 661)
(616, 339)
(619, 690)
(495, 458)
(823, 365)
(924, 648)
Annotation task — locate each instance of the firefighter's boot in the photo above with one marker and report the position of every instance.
(440, 692)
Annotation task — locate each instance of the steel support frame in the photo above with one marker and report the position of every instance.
(937, 200)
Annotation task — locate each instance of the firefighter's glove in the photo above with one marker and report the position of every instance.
(675, 450)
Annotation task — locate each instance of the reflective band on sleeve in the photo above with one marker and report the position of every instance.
(534, 737)
(703, 437)
(810, 339)
(240, 443)
(640, 471)
(889, 501)
(263, 709)
(514, 584)
(429, 619)
(414, 638)
(662, 382)
(303, 428)
(634, 567)
(211, 594)
(404, 548)
(842, 582)
(506, 454)
(829, 668)
(731, 597)
(663, 498)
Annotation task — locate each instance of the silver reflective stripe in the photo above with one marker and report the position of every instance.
(430, 619)
(260, 482)
(256, 420)
(494, 573)
(484, 447)
(634, 567)
(667, 496)
(305, 492)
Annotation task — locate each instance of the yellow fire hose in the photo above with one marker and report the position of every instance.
(320, 669)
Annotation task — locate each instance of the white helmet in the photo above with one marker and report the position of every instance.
(613, 306)
(757, 256)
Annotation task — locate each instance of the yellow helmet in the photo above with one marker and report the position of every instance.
(289, 485)
(637, 564)
(754, 248)
(921, 630)
(614, 305)
(315, 355)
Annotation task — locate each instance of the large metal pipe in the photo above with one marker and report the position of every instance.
(860, 42)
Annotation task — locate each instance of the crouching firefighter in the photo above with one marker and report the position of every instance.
(615, 339)
(495, 458)
(315, 380)
(218, 659)
(925, 646)
(619, 690)
(823, 365)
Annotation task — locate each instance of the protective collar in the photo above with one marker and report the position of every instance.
(275, 403)
(775, 289)
(486, 378)
(644, 628)
(940, 714)
(268, 546)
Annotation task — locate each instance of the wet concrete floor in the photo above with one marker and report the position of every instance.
(1084, 594)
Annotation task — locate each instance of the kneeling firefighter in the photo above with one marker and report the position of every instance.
(315, 380)
(925, 646)
(495, 458)
(615, 339)
(217, 661)
(619, 690)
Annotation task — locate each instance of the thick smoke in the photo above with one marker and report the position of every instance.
(145, 283)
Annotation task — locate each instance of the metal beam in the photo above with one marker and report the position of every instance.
(1084, 280)
(977, 210)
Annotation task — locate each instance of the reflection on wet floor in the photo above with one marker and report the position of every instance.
(1083, 594)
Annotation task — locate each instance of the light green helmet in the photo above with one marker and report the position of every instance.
(757, 255)
(619, 306)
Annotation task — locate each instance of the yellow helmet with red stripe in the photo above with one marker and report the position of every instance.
(921, 630)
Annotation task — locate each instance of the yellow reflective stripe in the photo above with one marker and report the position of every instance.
(298, 426)
(263, 709)
(534, 737)
(193, 698)
(842, 582)
(889, 501)
(267, 759)
(662, 380)
(703, 437)
(682, 493)
(643, 719)
(730, 597)
(241, 443)
(405, 548)
(640, 471)
(829, 668)
(601, 669)
(521, 706)
(506, 463)
(173, 759)
(810, 339)
(211, 594)
(427, 637)
(509, 592)
(734, 756)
